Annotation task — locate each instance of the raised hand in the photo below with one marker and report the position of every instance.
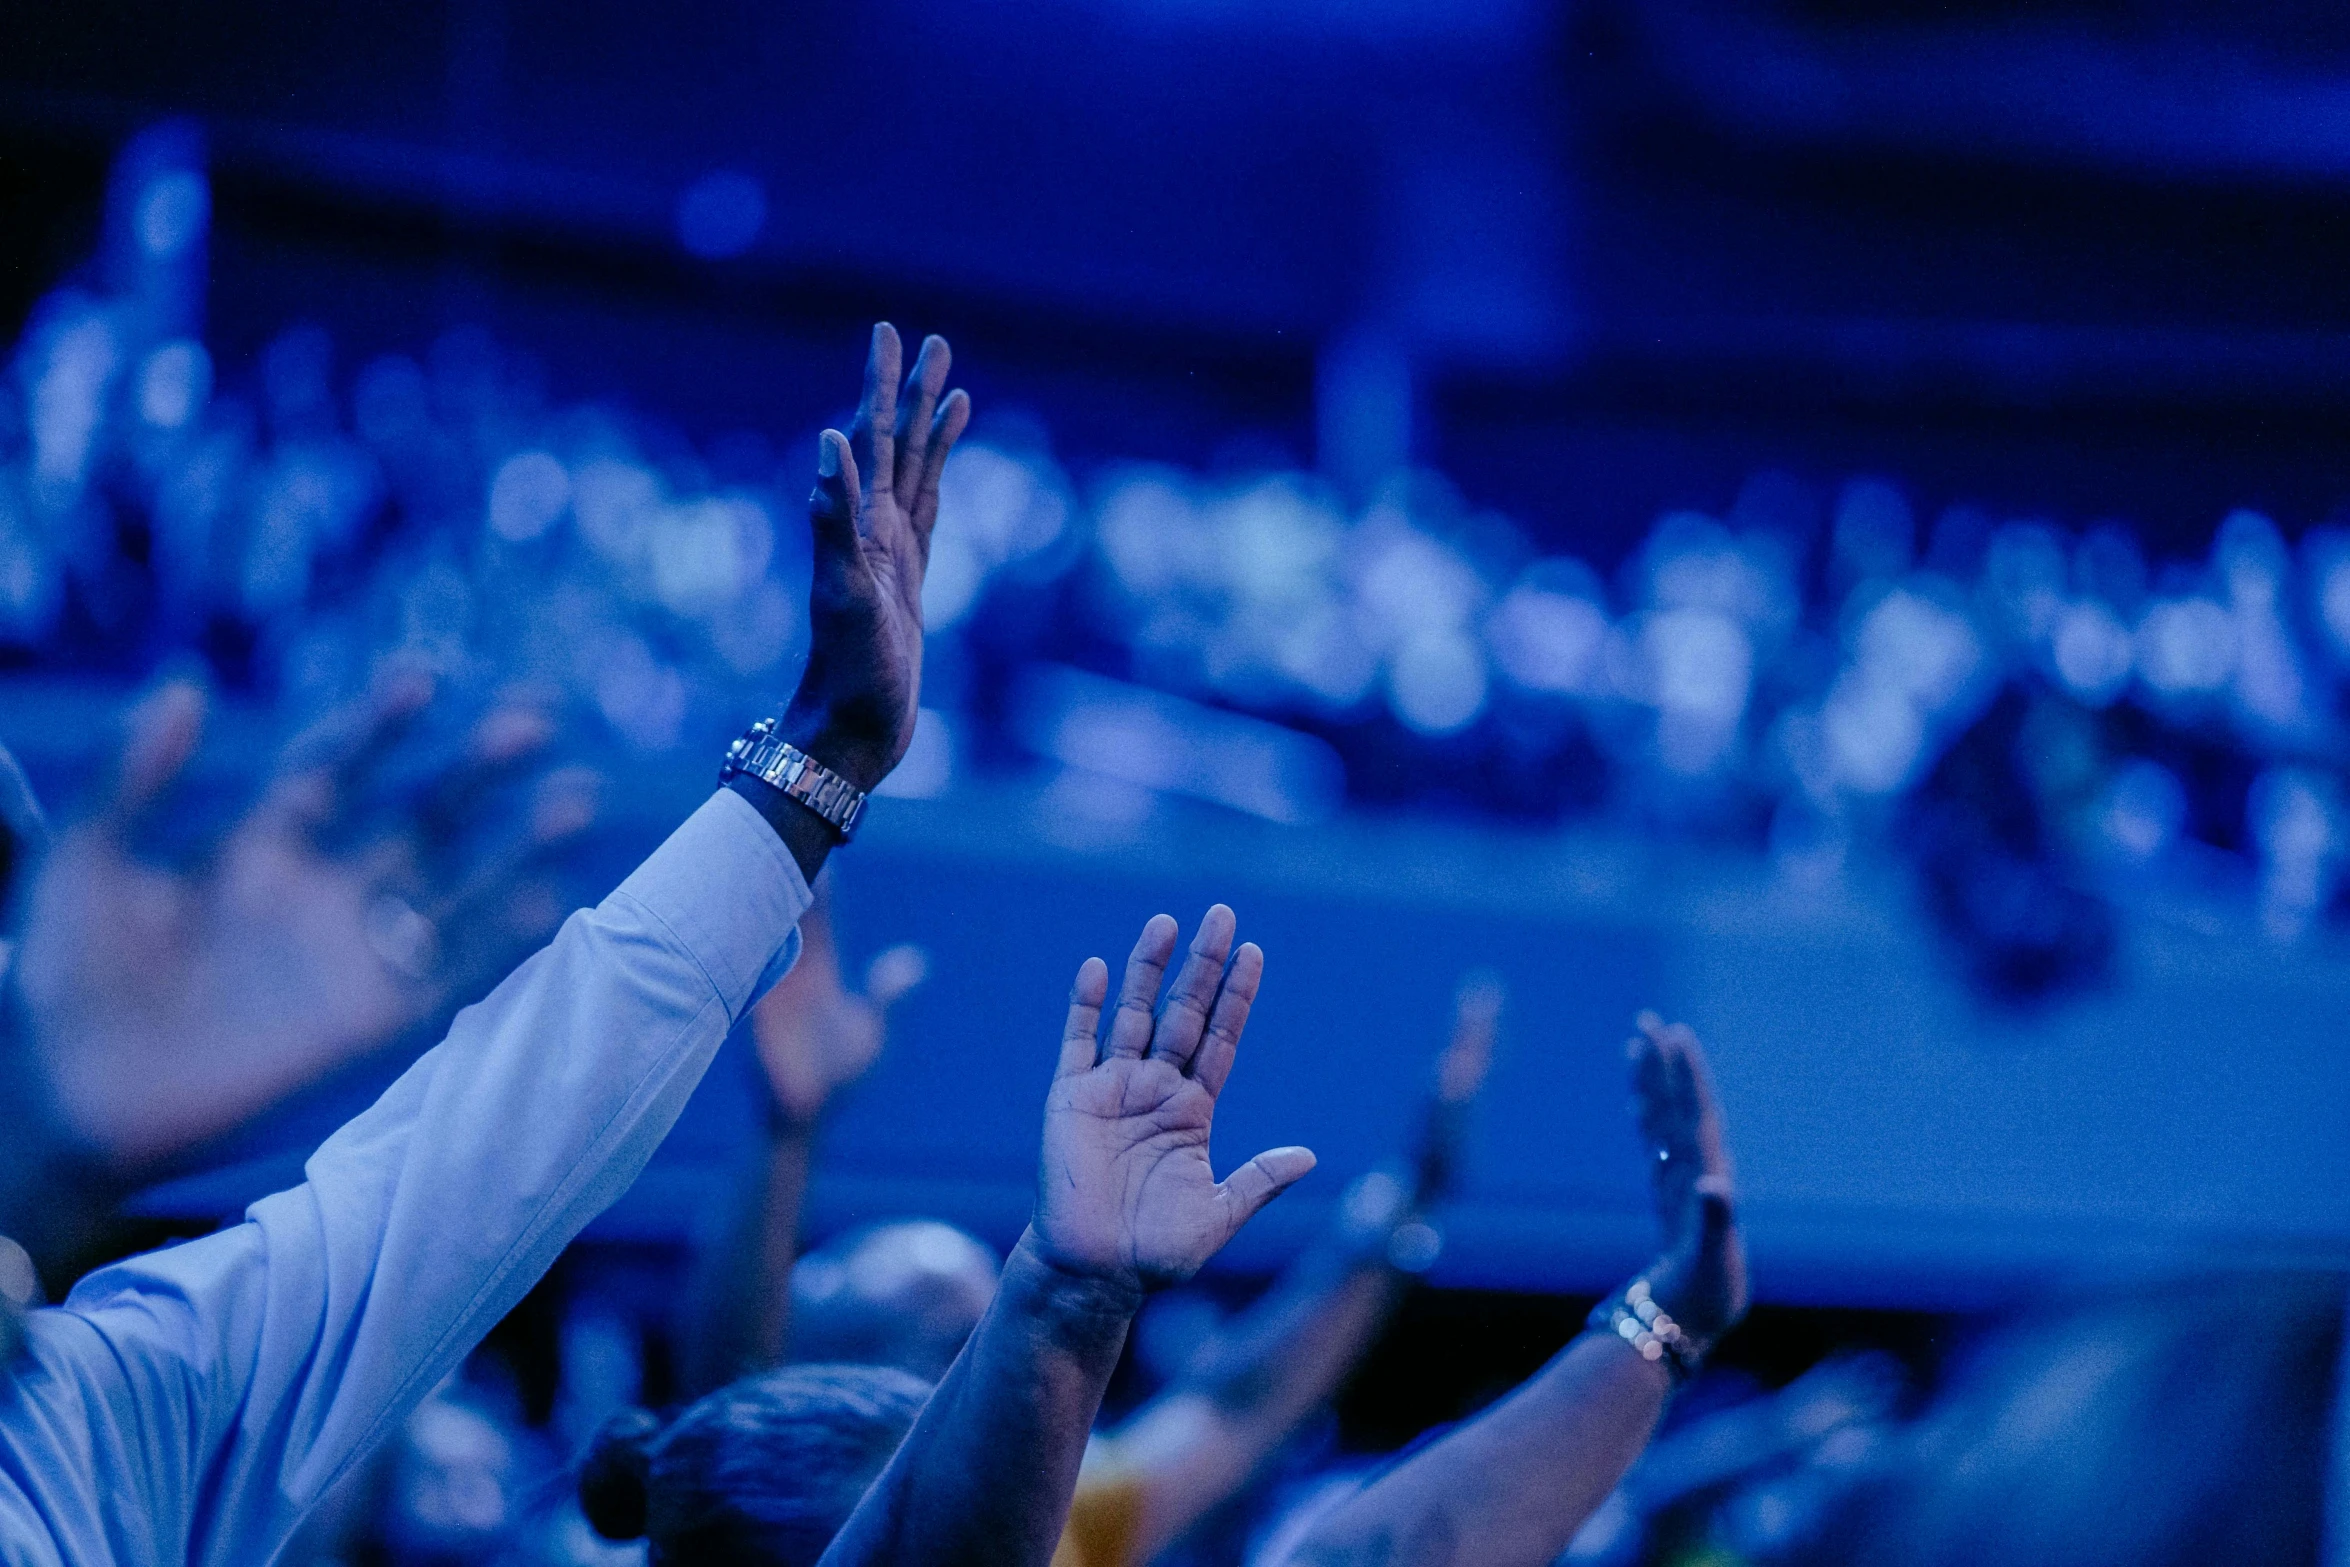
(1468, 1054)
(1701, 1278)
(1460, 1077)
(814, 1035)
(875, 505)
(1125, 1192)
(167, 1005)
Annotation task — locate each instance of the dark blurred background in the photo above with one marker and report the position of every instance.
(2069, 259)
(1816, 517)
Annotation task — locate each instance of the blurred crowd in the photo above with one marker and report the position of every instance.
(2046, 721)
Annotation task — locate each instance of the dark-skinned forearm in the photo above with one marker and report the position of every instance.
(807, 837)
(1510, 1488)
(857, 746)
(986, 1475)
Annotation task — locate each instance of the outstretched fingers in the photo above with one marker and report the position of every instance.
(1243, 1194)
(1085, 1014)
(1130, 1029)
(329, 767)
(1661, 1087)
(1705, 1108)
(562, 808)
(1681, 1126)
(1213, 1065)
(895, 974)
(1183, 1020)
(1717, 1220)
(1668, 1139)
(564, 804)
(917, 418)
(1677, 1095)
(954, 415)
(873, 438)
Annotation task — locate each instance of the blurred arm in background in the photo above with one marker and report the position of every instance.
(1197, 1444)
(1510, 1487)
(160, 1006)
(1126, 1201)
(813, 1037)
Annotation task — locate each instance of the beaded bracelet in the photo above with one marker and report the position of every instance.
(1634, 1316)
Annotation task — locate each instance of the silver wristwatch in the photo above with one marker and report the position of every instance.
(759, 753)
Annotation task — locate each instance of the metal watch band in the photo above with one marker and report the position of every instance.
(760, 754)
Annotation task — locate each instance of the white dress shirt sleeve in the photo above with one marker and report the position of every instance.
(190, 1404)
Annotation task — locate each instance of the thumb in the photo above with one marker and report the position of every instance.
(1246, 1190)
(832, 509)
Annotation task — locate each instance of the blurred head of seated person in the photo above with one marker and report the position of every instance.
(764, 1471)
(172, 981)
(905, 1294)
(455, 1477)
(2172, 1425)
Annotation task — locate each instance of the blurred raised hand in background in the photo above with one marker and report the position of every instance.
(1701, 1277)
(1511, 1487)
(166, 999)
(812, 1037)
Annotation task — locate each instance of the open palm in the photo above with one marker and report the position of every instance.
(1701, 1279)
(1126, 1191)
(875, 505)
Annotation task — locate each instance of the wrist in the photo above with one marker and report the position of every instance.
(1635, 1316)
(787, 1123)
(1667, 1381)
(807, 837)
(861, 751)
(1079, 1304)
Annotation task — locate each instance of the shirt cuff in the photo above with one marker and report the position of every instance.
(732, 894)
